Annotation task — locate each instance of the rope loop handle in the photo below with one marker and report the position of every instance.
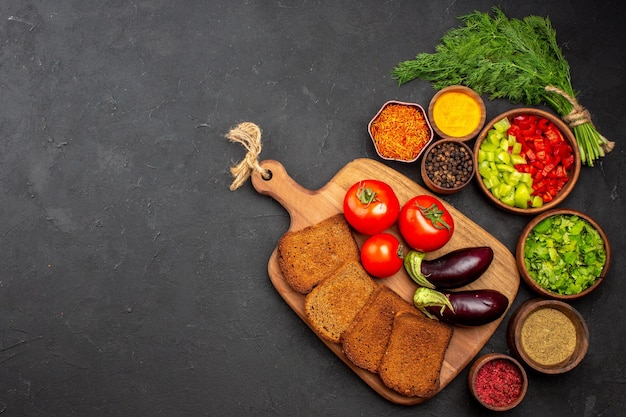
(249, 135)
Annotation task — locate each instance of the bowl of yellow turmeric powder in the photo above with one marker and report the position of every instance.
(400, 131)
(457, 112)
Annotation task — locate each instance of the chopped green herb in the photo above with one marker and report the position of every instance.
(564, 254)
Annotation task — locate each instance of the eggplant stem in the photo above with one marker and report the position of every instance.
(427, 297)
(413, 265)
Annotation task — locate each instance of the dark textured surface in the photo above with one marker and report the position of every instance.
(134, 283)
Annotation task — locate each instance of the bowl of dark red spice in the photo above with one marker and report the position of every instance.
(400, 131)
(498, 381)
(447, 166)
(550, 336)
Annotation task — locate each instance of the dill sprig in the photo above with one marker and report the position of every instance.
(512, 59)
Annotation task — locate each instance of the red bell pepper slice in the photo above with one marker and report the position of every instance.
(549, 156)
(568, 162)
(553, 136)
(544, 124)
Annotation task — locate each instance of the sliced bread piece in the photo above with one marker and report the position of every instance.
(365, 341)
(333, 304)
(308, 256)
(414, 356)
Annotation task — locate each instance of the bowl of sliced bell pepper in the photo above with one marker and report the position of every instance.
(527, 161)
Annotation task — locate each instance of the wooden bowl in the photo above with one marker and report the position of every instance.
(526, 276)
(416, 124)
(550, 331)
(466, 102)
(507, 364)
(431, 178)
(573, 172)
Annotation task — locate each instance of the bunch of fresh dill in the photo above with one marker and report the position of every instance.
(515, 59)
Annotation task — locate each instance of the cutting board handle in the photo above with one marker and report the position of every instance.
(296, 199)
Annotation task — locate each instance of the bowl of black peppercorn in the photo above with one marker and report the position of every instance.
(447, 166)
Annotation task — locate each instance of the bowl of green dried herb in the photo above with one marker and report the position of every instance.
(563, 254)
(549, 336)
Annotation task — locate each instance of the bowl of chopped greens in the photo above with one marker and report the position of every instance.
(527, 161)
(563, 254)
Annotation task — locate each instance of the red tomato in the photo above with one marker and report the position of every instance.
(371, 206)
(425, 224)
(381, 255)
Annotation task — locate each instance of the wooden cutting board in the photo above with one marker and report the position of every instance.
(307, 207)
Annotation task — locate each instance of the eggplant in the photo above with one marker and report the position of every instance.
(461, 308)
(452, 270)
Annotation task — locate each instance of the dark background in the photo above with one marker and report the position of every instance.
(134, 283)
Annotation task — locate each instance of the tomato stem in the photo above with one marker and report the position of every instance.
(435, 216)
(400, 251)
(365, 195)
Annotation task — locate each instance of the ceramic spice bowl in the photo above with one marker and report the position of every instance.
(447, 166)
(457, 112)
(549, 171)
(400, 131)
(549, 336)
(576, 247)
(498, 381)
